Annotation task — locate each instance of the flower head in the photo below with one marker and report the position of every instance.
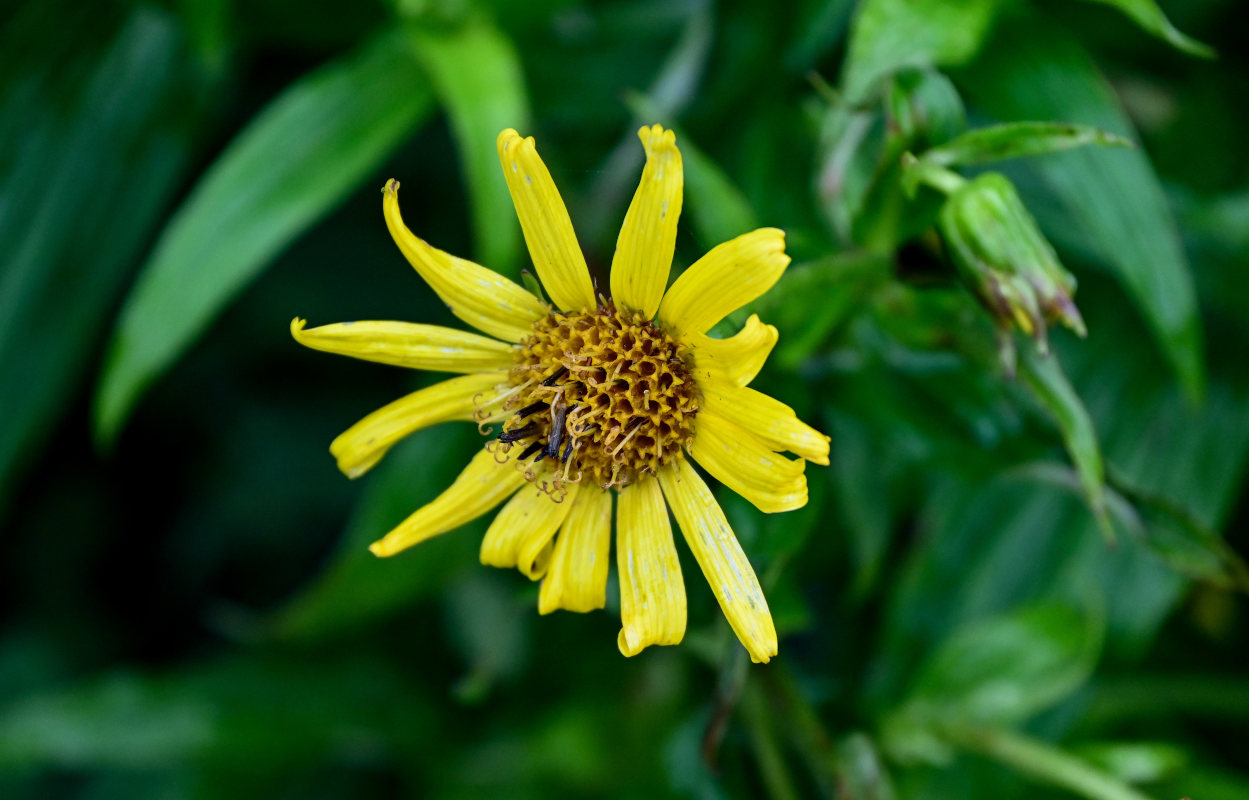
(1005, 259)
(595, 397)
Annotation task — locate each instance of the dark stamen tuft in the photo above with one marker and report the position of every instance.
(531, 409)
(508, 437)
(555, 376)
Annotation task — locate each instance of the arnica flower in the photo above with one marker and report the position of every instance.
(595, 396)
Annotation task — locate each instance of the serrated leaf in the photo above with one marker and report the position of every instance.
(1113, 200)
(298, 158)
(1149, 16)
(477, 76)
(1016, 140)
(887, 35)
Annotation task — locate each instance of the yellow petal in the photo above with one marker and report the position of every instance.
(362, 445)
(577, 579)
(771, 421)
(652, 593)
(741, 462)
(720, 556)
(724, 280)
(482, 485)
(544, 220)
(408, 344)
(481, 297)
(639, 270)
(521, 533)
(736, 359)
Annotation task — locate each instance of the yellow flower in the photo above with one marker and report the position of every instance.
(595, 395)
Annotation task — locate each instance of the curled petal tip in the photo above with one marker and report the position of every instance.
(297, 326)
(391, 187)
(505, 136)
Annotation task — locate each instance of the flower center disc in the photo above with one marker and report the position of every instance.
(602, 396)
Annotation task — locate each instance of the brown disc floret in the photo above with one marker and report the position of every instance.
(602, 397)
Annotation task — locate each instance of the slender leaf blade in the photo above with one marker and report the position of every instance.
(1016, 140)
(292, 164)
(80, 194)
(1151, 19)
(477, 76)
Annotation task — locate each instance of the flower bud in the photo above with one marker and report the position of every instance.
(1002, 257)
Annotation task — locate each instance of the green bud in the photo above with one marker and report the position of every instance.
(1002, 257)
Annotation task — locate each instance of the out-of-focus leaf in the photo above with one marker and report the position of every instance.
(228, 713)
(1206, 782)
(988, 545)
(861, 151)
(812, 299)
(1185, 544)
(489, 628)
(718, 209)
(887, 35)
(860, 769)
(478, 78)
(1006, 669)
(860, 477)
(1151, 19)
(79, 192)
(825, 24)
(288, 168)
(357, 587)
(684, 761)
(994, 672)
(669, 93)
(1044, 377)
(1046, 763)
(925, 107)
(1033, 71)
(1135, 762)
(1016, 140)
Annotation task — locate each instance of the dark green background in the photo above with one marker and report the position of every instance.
(188, 607)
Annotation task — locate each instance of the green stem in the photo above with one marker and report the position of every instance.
(772, 767)
(1045, 763)
(807, 733)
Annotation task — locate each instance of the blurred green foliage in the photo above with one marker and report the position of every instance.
(190, 609)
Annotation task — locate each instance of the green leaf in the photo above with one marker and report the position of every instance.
(1184, 543)
(357, 588)
(1112, 200)
(1135, 762)
(234, 712)
(1044, 377)
(477, 76)
(811, 300)
(1018, 139)
(887, 35)
(1146, 14)
(1046, 763)
(310, 147)
(97, 126)
(999, 671)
